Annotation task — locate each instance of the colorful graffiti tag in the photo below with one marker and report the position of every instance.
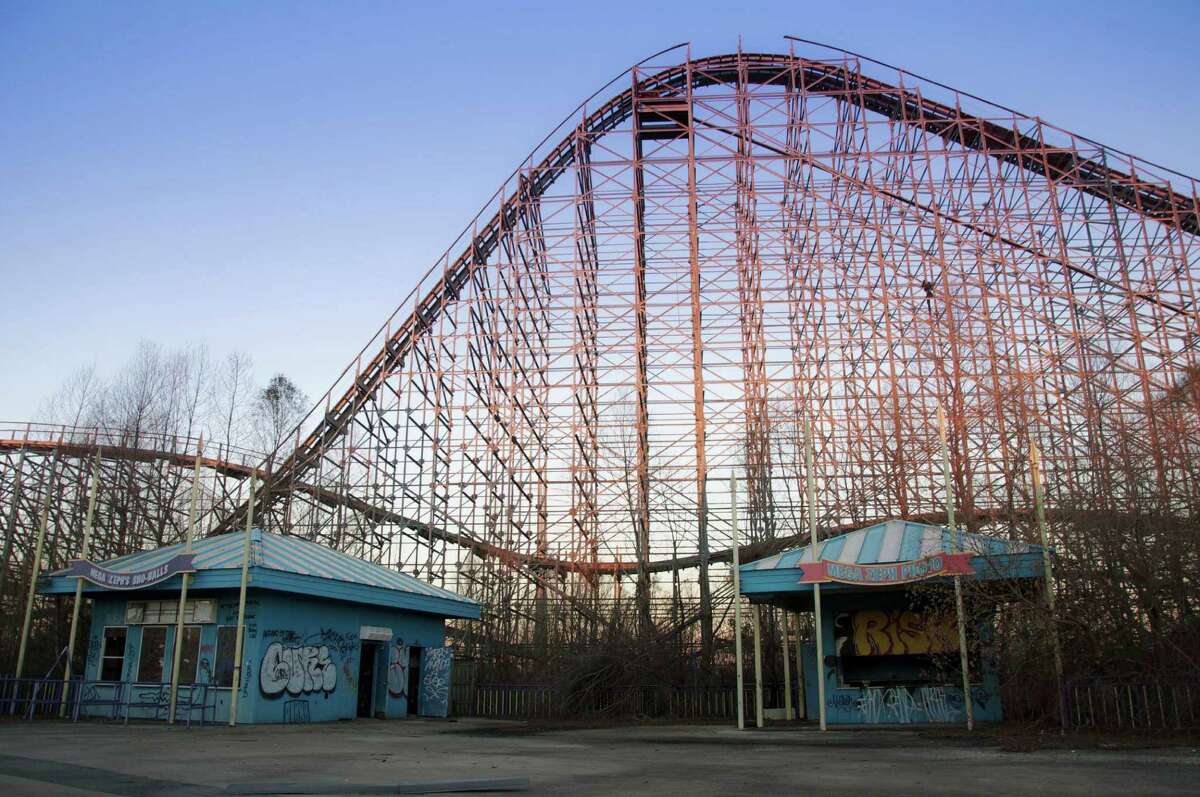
(874, 632)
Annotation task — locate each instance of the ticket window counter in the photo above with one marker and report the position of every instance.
(897, 685)
(325, 636)
(889, 659)
(898, 645)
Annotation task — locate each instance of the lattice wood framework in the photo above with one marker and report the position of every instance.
(724, 250)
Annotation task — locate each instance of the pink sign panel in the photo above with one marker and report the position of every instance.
(939, 564)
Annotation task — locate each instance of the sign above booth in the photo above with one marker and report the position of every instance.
(375, 633)
(137, 579)
(939, 564)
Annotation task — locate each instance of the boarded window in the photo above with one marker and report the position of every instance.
(226, 644)
(150, 658)
(112, 655)
(201, 610)
(189, 655)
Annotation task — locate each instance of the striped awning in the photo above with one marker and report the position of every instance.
(890, 541)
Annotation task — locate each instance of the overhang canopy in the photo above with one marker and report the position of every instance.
(282, 564)
(858, 560)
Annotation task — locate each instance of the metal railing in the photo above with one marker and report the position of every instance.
(1104, 704)
(45, 697)
(37, 697)
(545, 701)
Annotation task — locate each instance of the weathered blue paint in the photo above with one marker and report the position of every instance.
(901, 695)
(888, 705)
(434, 699)
(300, 660)
(306, 609)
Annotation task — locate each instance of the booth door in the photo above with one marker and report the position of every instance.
(433, 698)
(366, 679)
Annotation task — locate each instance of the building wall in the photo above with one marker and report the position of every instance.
(323, 638)
(894, 704)
(301, 657)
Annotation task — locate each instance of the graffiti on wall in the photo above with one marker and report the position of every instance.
(397, 676)
(342, 643)
(876, 632)
(296, 711)
(298, 669)
(434, 697)
(902, 705)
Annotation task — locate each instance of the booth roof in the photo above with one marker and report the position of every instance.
(891, 541)
(284, 556)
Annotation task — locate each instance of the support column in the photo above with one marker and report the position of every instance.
(954, 546)
(706, 629)
(11, 528)
(737, 604)
(87, 538)
(177, 651)
(810, 480)
(1035, 470)
(642, 513)
(758, 685)
(784, 625)
(241, 621)
(33, 577)
(801, 693)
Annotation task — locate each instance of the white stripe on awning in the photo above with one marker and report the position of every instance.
(931, 541)
(854, 544)
(893, 536)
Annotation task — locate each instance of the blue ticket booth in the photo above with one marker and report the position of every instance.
(890, 657)
(327, 636)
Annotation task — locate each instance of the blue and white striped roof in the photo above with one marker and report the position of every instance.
(284, 556)
(889, 541)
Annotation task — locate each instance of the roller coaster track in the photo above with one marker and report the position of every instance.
(1063, 166)
(175, 456)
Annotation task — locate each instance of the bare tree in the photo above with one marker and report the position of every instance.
(161, 392)
(74, 402)
(277, 409)
(230, 393)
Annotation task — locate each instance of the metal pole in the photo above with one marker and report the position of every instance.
(954, 547)
(758, 685)
(241, 621)
(810, 479)
(177, 653)
(787, 669)
(737, 604)
(87, 538)
(33, 577)
(1035, 469)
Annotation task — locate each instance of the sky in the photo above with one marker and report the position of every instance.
(274, 177)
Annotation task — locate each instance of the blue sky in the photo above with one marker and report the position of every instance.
(274, 177)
